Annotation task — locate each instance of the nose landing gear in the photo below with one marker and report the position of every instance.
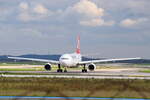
(84, 69)
(60, 70)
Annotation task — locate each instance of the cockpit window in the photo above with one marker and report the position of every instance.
(64, 58)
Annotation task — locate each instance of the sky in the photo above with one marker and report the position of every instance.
(107, 28)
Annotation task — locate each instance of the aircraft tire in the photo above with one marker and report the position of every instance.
(65, 71)
(59, 70)
(84, 70)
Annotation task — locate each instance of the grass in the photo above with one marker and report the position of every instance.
(20, 63)
(145, 71)
(41, 67)
(22, 73)
(54, 68)
(74, 87)
(22, 69)
(144, 64)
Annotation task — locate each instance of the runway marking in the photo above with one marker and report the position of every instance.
(66, 76)
(79, 98)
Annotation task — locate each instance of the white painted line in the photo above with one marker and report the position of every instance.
(65, 76)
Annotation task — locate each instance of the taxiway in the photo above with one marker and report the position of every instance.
(123, 73)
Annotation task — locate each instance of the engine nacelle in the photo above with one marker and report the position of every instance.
(91, 67)
(48, 66)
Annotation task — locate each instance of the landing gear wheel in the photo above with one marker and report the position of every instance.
(84, 70)
(65, 70)
(59, 70)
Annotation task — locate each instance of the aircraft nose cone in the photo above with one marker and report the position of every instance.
(65, 60)
(64, 63)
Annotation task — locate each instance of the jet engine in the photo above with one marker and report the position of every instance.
(91, 67)
(48, 66)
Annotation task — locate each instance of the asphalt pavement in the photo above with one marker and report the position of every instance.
(125, 73)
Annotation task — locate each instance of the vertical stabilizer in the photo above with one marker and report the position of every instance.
(78, 45)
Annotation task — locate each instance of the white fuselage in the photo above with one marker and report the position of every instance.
(70, 60)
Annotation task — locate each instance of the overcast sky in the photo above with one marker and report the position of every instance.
(107, 28)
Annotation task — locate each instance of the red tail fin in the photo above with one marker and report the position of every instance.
(78, 45)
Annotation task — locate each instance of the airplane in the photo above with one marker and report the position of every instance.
(73, 60)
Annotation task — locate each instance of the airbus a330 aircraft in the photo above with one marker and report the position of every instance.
(73, 60)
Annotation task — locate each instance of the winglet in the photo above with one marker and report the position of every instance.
(78, 45)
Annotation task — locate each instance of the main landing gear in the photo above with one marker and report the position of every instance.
(60, 70)
(65, 70)
(84, 70)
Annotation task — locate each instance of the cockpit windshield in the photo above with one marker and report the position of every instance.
(64, 58)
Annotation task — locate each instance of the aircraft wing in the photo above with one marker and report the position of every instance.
(33, 59)
(107, 60)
